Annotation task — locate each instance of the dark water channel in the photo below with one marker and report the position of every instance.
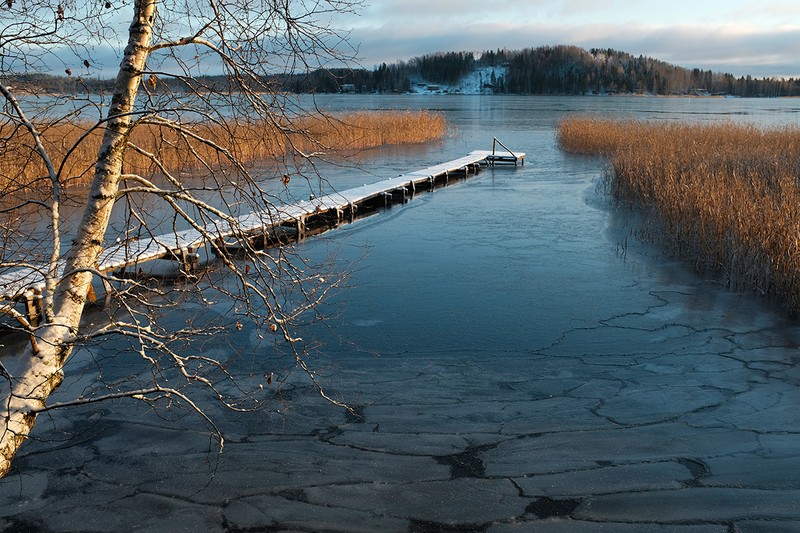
(516, 361)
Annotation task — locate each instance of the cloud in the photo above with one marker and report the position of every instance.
(737, 36)
(408, 13)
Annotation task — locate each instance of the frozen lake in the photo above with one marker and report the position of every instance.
(517, 360)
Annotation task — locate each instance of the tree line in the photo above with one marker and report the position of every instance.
(573, 70)
(545, 70)
(556, 70)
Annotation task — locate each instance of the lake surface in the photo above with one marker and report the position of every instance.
(516, 358)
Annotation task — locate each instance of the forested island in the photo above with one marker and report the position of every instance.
(545, 70)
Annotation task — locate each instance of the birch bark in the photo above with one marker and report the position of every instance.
(39, 374)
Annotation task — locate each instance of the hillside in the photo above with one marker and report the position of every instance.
(556, 70)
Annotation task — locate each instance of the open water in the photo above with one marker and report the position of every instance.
(516, 359)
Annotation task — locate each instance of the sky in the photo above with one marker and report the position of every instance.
(760, 38)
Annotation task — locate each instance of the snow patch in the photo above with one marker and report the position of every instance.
(483, 80)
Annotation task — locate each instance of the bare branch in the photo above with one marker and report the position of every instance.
(158, 171)
(50, 279)
(144, 395)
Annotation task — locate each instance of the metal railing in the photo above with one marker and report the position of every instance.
(495, 142)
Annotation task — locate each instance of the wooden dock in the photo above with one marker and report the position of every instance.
(274, 224)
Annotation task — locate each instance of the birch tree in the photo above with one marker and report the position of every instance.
(161, 88)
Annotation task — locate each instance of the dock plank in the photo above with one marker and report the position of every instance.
(16, 283)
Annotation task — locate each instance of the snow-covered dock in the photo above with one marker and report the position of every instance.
(273, 224)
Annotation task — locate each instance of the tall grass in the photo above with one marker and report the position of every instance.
(73, 146)
(726, 195)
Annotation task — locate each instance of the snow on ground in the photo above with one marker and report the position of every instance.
(480, 81)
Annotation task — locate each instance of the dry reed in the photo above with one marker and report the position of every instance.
(726, 195)
(73, 146)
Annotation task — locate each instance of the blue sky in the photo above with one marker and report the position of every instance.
(741, 37)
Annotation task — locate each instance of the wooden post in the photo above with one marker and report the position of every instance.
(108, 288)
(91, 297)
(189, 259)
(33, 306)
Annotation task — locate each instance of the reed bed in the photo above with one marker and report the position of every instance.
(73, 146)
(725, 195)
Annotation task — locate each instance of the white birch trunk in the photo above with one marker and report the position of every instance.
(38, 375)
